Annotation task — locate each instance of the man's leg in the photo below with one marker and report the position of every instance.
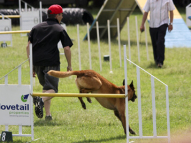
(50, 86)
(154, 37)
(47, 101)
(160, 43)
(37, 100)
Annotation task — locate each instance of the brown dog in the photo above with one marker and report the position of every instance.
(90, 81)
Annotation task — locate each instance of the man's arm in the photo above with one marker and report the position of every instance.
(170, 26)
(142, 28)
(28, 53)
(67, 53)
(28, 49)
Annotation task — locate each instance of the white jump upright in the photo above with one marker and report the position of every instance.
(79, 56)
(5, 25)
(98, 41)
(88, 33)
(29, 19)
(137, 33)
(139, 101)
(40, 5)
(109, 42)
(16, 105)
(128, 35)
(141, 136)
(119, 40)
(126, 96)
(146, 41)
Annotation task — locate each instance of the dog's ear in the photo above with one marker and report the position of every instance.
(124, 82)
(131, 85)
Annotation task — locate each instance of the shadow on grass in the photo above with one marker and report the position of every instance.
(154, 66)
(18, 141)
(46, 123)
(102, 140)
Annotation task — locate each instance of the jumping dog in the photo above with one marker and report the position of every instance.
(89, 81)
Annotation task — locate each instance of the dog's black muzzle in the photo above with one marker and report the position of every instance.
(134, 97)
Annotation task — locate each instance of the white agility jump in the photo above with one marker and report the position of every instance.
(19, 110)
(153, 106)
(141, 136)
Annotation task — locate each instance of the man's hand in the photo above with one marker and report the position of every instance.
(67, 54)
(170, 28)
(34, 74)
(69, 68)
(142, 28)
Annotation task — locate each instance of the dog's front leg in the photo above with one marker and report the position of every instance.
(123, 120)
(117, 114)
(124, 124)
(120, 112)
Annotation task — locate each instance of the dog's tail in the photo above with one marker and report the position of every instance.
(60, 74)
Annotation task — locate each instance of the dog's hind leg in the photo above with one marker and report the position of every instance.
(82, 102)
(86, 91)
(87, 84)
(80, 98)
(89, 100)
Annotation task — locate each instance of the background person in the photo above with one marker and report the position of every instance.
(159, 21)
(44, 38)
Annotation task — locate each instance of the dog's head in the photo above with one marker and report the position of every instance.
(131, 91)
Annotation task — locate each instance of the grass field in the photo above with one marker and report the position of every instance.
(72, 124)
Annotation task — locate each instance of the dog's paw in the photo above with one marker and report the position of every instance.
(84, 105)
(89, 100)
(132, 132)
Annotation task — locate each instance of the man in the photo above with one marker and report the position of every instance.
(159, 21)
(44, 38)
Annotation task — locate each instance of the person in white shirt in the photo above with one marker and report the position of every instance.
(159, 21)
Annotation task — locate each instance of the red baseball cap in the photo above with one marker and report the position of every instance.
(55, 9)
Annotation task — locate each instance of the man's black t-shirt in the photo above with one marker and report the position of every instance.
(44, 38)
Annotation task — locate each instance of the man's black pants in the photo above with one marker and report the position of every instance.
(158, 40)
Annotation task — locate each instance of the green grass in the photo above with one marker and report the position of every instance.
(72, 124)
